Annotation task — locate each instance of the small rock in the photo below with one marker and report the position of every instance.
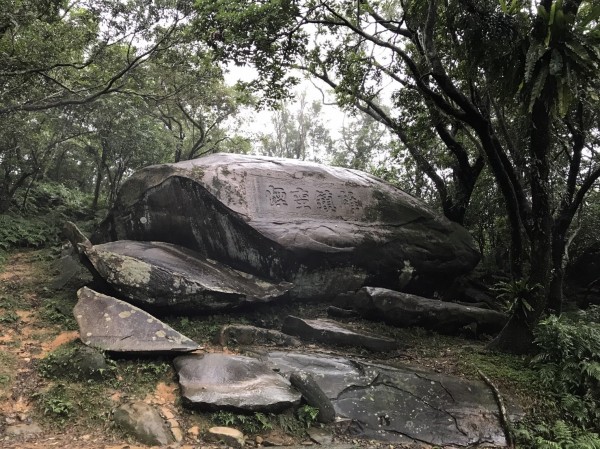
(258, 440)
(167, 414)
(320, 436)
(143, 422)
(277, 439)
(177, 434)
(194, 432)
(23, 430)
(228, 435)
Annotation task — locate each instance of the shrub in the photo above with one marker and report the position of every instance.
(568, 364)
(569, 367)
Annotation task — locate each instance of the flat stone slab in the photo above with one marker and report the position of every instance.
(113, 325)
(243, 334)
(401, 405)
(163, 275)
(222, 381)
(333, 333)
(405, 310)
(325, 229)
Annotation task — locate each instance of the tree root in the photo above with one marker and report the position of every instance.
(504, 420)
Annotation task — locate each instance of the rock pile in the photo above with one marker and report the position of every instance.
(228, 231)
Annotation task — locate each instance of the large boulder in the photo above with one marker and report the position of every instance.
(325, 229)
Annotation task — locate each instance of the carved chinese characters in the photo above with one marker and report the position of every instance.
(317, 201)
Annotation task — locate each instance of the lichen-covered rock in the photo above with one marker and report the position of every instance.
(222, 381)
(324, 229)
(162, 275)
(113, 325)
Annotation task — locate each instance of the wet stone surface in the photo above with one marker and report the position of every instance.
(232, 382)
(113, 325)
(401, 405)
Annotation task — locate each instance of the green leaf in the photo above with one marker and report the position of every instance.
(556, 63)
(538, 86)
(592, 15)
(534, 54)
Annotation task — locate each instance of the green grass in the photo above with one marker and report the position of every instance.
(8, 368)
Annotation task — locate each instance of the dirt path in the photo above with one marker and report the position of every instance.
(25, 339)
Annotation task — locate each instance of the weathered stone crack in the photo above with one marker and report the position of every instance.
(438, 382)
(426, 403)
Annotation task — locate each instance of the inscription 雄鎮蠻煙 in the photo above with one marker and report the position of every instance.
(349, 200)
(301, 198)
(324, 200)
(277, 196)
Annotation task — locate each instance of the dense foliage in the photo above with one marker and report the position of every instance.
(568, 364)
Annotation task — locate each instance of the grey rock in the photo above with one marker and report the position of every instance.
(171, 277)
(330, 332)
(23, 430)
(242, 334)
(222, 381)
(325, 229)
(320, 436)
(143, 422)
(341, 313)
(79, 363)
(228, 435)
(113, 325)
(401, 405)
(314, 396)
(69, 272)
(405, 310)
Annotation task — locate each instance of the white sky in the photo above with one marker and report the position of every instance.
(260, 121)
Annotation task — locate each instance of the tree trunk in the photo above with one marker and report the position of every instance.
(101, 164)
(531, 304)
(555, 293)
(516, 337)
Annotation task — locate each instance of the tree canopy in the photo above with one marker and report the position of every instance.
(510, 86)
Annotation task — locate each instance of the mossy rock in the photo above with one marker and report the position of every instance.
(76, 362)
